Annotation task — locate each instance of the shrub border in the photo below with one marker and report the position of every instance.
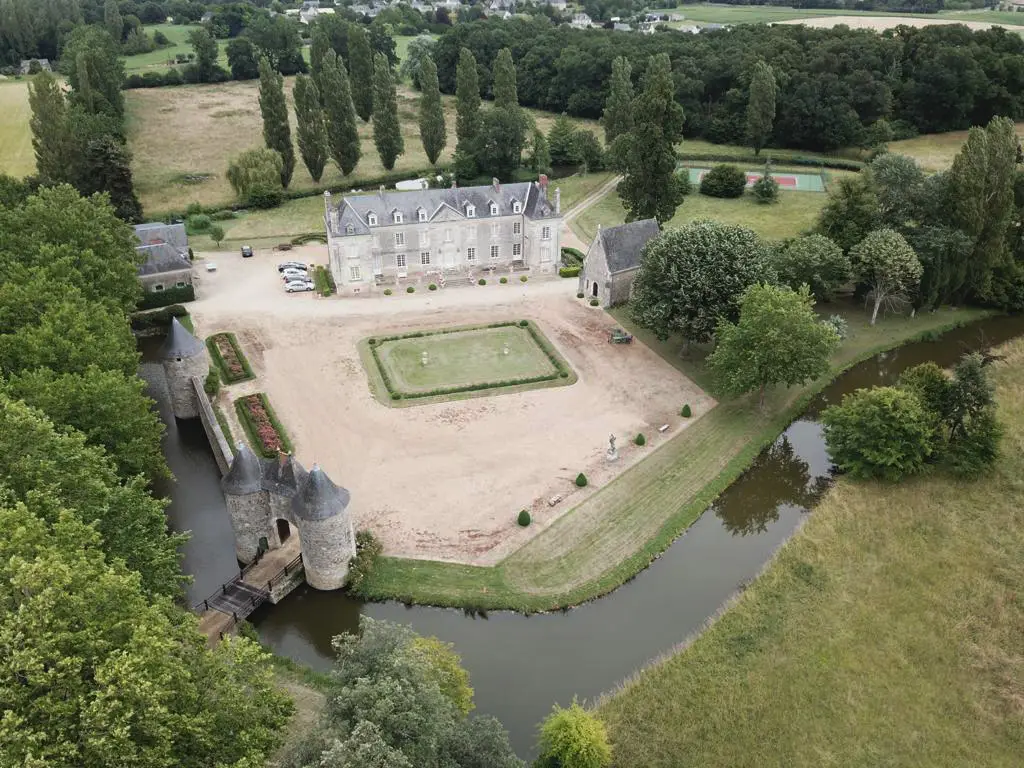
(222, 366)
(250, 429)
(563, 371)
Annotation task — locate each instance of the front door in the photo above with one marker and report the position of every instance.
(448, 257)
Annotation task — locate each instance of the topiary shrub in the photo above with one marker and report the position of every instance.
(581, 480)
(432, 287)
(387, 291)
(572, 271)
(481, 281)
(524, 518)
(373, 342)
(212, 384)
(563, 375)
(579, 295)
(410, 289)
(594, 302)
(686, 412)
(396, 395)
(640, 439)
(503, 280)
(522, 278)
(725, 180)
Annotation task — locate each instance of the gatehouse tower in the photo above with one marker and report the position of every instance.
(183, 356)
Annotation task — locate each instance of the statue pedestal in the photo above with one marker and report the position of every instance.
(612, 454)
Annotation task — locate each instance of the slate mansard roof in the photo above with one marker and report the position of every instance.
(353, 210)
(164, 246)
(624, 244)
(313, 495)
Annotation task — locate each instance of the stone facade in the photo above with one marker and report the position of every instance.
(612, 261)
(391, 239)
(268, 498)
(183, 356)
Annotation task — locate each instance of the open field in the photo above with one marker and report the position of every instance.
(794, 213)
(935, 151)
(183, 138)
(162, 59)
(612, 535)
(16, 155)
(708, 13)
(484, 459)
(880, 23)
(888, 631)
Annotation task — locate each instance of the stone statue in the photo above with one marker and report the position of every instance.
(611, 443)
(613, 452)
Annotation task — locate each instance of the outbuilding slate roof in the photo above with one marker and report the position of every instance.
(624, 244)
(158, 232)
(180, 343)
(353, 210)
(161, 258)
(246, 473)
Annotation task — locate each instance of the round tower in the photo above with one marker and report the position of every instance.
(320, 509)
(246, 501)
(183, 356)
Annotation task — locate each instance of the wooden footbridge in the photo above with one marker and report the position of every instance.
(268, 578)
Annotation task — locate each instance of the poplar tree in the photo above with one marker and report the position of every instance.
(112, 20)
(387, 133)
(467, 101)
(342, 135)
(504, 126)
(433, 132)
(505, 94)
(277, 135)
(309, 118)
(49, 128)
(618, 109)
(646, 156)
(318, 48)
(361, 64)
(761, 106)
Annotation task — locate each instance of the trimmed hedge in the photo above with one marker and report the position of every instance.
(581, 480)
(161, 318)
(218, 360)
(561, 369)
(594, 302)
(309, 237)
(252, 432)
(573, 271)
(224, 426)
(410, 289)
(524, 518)
(155, 299)
(481, 281)
(572, 257)
(323, 281)
(686, 412)
(640, 439)
(503, 280)
(211, 385)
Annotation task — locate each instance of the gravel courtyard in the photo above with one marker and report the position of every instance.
(444, 481)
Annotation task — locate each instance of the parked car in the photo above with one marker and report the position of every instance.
(246, 251)
(290, 265)
(211, 266)
(295, 286)
(294, 274)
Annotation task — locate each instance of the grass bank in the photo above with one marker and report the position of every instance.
(617, 532)
(888, 631)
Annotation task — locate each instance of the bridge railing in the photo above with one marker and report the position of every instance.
(285, 572)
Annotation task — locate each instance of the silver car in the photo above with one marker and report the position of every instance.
(298, 286)
(294, 274)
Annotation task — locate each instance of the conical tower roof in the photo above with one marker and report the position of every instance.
(284, 476)
(180, 343)
(246, 473)
(319, 498)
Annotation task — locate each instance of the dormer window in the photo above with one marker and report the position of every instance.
(517, 207)
(398, 217)
(349, 229)
(494, 209)
(470, 211)
(371, 219)
(422, 215)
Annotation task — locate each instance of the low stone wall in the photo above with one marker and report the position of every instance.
(221, 449)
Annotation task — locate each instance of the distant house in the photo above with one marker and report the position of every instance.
(206, 18)
(165, 248)
(620, 27)
(613, 259)
(310, 10)
(558, 5)
(26, 66)
(647, 27)
(581, 21)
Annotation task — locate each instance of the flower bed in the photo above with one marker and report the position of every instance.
(229, 359)
(265, 432)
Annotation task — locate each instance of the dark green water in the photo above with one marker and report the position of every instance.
(521, 665)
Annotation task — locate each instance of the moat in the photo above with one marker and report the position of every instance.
(521, 665)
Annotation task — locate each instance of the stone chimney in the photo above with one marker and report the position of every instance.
(558, 199)
(496, 184)
(455, 184)
(381, 192)
(542, 181)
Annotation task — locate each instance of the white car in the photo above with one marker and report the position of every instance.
(211, 266)
(294, 274)
(298, 286)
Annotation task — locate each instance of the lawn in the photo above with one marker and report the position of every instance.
(162, 59)
(935, 151)
(888, 631)
(616, 532)
(183, 138)
(16, 155)
(268, 228)
(794, 213)
(578, 186)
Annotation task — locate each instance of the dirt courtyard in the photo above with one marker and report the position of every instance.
(444, 481)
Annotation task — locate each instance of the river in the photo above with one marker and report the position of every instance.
(521, 665)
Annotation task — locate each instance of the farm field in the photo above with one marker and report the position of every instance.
(888, 626)
(162, 59)
(709, 13)
(16, 154)
(935, 151)
(183, 138)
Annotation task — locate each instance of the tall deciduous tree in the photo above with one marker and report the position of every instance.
(618, 109)
(886, 263)
(342, 134)
(777, 340)
(387, 131)
(646, 156)
(540, 152)
(467, 102)
(813, 260)
(50, 140)
(93, 57)
(433, 132)
(761, 105)
(418, 51)
(309, 119)
(205, 46)
(277, 134)
(361, 64)
(112, 20)
(896, 181)
(107, 168)
(850, 213)
(692, 276)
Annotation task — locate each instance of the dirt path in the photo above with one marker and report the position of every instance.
(569, 237)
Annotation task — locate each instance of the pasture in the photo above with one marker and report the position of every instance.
(16, 154)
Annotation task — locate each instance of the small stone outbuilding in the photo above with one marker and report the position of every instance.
(164, 248)
(266, 498)
(183, 357)
(613, 259)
